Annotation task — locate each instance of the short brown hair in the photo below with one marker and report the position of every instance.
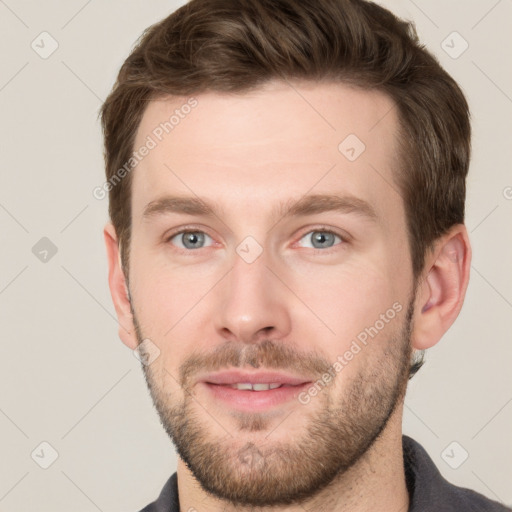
(237, 45)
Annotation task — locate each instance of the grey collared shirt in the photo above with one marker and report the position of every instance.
(428, 490)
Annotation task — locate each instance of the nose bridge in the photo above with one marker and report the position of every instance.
(251, 303)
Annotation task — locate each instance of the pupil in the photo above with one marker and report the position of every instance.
(192, 240)
(322, 238)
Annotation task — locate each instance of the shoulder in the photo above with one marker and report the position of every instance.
(168, 499)
(430, 491)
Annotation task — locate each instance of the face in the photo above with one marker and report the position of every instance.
(269, 265)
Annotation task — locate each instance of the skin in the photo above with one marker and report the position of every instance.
(263, 148)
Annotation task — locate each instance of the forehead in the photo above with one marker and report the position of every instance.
(278, 141)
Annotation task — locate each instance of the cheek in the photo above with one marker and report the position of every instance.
(165, 291)
(359, 309)
(171, 304)
(348, 297)
(166, 302)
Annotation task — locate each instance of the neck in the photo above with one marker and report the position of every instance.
(375, 482)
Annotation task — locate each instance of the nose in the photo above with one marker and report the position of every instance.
(252, 303)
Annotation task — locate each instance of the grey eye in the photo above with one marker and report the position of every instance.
(320, 239)
(190, 239)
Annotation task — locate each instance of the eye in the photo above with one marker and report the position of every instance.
(188, 239)
(321, 239)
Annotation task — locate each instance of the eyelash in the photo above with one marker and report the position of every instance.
(322, 229)
(187, 229)
(325, 229)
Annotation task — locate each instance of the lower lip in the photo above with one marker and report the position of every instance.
(254, 400)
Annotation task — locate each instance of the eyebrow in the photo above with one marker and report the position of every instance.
(306, 205)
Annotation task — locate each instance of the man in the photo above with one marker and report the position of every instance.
(287, 188)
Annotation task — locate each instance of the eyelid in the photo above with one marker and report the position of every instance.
(168, 236)
(345, 238)
(326, 229)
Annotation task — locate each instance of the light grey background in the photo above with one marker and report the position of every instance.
(65, 377)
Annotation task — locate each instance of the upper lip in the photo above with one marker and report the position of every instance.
(238, 376)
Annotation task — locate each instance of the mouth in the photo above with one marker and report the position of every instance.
(253, 391)
(248, 386)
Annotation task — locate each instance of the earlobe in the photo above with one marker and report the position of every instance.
(119, 289)
(442, 289)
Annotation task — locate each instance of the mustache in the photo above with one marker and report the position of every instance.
(267, 354)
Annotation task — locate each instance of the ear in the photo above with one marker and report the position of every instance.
(442, 288)
(119, 288)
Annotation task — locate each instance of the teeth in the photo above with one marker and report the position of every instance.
(255, 387)
(242, 386)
